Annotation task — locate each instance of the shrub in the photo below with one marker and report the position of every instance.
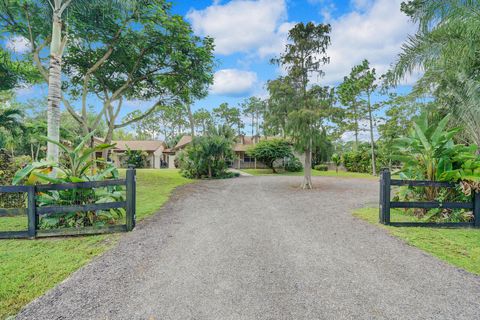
(78, 166)
(337, 160)
(8, 167)
(293, 165)
(206, 157)
(267, 151)
(429, 152)
(321, 167)
(136, 158)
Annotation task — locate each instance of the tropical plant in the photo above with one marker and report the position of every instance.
(268, 151)
(77, 165)
(337, 160)
(430, 153)
(206, 157)
(136, 158)
(10, 119)
(445, 48)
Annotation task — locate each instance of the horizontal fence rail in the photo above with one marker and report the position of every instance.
(386, 183)
(33, 211)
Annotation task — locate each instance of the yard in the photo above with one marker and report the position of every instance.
(459, 247)
(30, 267)
(315, 173)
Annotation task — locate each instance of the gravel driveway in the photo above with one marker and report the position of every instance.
(258, 248)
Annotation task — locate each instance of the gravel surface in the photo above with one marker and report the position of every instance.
(259, 248)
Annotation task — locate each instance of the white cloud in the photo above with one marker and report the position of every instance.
(233, 82)
(18, 44)
(376, 34)
(243, 25)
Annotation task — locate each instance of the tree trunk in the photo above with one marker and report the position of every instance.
(191, 120)
(307, 177)
(372, 140)
(356, 127)
(54, 89)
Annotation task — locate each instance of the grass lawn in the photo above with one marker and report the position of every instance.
(28, 268)
(460, 247)
(315, 173)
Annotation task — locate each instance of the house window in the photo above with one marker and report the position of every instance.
(248, 159)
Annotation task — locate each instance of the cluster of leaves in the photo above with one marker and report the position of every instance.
(361, 159)
(78, 165)
(293, 165)
(268, 151)
(321, 167)
(429, 152)
(8, 167)
(136, 158)
(207, 156)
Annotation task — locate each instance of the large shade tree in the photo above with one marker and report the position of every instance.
(46, 25)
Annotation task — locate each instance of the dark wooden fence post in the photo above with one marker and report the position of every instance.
(131, 199)
(381, 218)
(385, 187)
(476, 209)
(31, 212)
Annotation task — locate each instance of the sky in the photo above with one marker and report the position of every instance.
(248, 33)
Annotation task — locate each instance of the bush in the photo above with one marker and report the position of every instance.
(136, 158)
(206, 157)
(77, 167)
(8, 167)
(321, 167)
(293, 165)
(268, 151)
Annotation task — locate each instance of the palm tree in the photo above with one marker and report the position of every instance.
(446, 49)
(10, 120)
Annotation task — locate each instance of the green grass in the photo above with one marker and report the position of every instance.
(315, 173)
(28, 268)
(460, 247)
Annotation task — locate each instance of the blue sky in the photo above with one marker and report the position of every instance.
(248, 33)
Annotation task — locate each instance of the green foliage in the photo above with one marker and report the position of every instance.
(229, 116)
(337, 160)
(321, 167)
(293, 165)
(8, 167)
(359, 160)
(430, 153)
(206, 157)
(78, 166)
(136, 158)
(268, 151)
(445, 48)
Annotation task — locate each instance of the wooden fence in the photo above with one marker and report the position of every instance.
(386, 183)
(33, 212)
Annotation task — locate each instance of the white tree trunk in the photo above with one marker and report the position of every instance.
(54, 89)
(307, 177)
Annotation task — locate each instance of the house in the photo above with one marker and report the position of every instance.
(156, 152)
(242, 160)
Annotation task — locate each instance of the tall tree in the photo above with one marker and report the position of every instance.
(253, 108)
(348, 94)
(365, 78)
(203, 120)
(229, 116)
(26, 18)
(303, 57)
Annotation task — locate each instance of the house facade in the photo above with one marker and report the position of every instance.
(156, 152)
(242, 159)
